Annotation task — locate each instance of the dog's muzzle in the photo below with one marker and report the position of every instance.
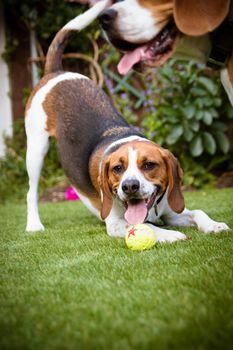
(137, 208)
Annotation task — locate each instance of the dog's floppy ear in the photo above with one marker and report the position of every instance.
(105, 189)
(175, 173)
(198, 17)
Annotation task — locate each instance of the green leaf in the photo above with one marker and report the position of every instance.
(207, 101)
(209, 143)
(217, 101)
(207, 118)
(196, 146)
(188, 111)
(199, 114)
(196, 92)
(167, 72)
(213, 112)
(223, 142)
(199, 102)
(195, 125)
(169, 112)
(174, 134)
(208, 84)
(216, 161)
(188, 135)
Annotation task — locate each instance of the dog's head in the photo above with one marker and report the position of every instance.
(146, 30)
(137, 174)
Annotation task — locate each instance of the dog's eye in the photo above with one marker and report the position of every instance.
(118, 169)
(149, 165)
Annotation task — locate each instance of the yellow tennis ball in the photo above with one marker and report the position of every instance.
(140, 237)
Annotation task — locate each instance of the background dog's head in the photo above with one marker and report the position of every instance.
(137, 174)
(146, 30)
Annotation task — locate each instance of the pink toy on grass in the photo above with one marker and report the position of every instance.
(71, 195)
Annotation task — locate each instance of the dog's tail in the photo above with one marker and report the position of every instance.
(54, 56)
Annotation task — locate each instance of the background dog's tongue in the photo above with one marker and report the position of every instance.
(136, 213)
(128, 60)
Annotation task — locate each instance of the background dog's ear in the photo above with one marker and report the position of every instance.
(105, 189)
(175, 174)
(198, 17)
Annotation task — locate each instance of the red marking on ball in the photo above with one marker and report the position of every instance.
(132, 232)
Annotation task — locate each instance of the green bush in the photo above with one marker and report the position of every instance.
(188, 109)
(187, 112)
(13, 174)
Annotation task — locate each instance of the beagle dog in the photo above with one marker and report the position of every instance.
(149, 32)
(121, 177)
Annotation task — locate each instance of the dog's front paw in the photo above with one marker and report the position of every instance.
(214, 227)
(169, 236)
(116, 228)
(34, 226)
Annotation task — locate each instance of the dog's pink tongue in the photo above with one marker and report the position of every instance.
(131, 58)
(136, 213)
(128, 60)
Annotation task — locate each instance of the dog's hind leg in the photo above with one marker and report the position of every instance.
(37, 147)
(195, 218)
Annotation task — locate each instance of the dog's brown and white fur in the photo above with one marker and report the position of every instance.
(140, 29)
(119, 175)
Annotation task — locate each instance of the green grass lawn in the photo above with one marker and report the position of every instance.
(73, 287)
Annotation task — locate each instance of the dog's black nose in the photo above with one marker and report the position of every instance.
(130, 186)
(106, 17)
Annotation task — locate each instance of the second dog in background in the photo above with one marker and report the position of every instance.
(149, 32)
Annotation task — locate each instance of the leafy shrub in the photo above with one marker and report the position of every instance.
(12, 166)
(13, 174)
(187, 112)
(188, 109)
